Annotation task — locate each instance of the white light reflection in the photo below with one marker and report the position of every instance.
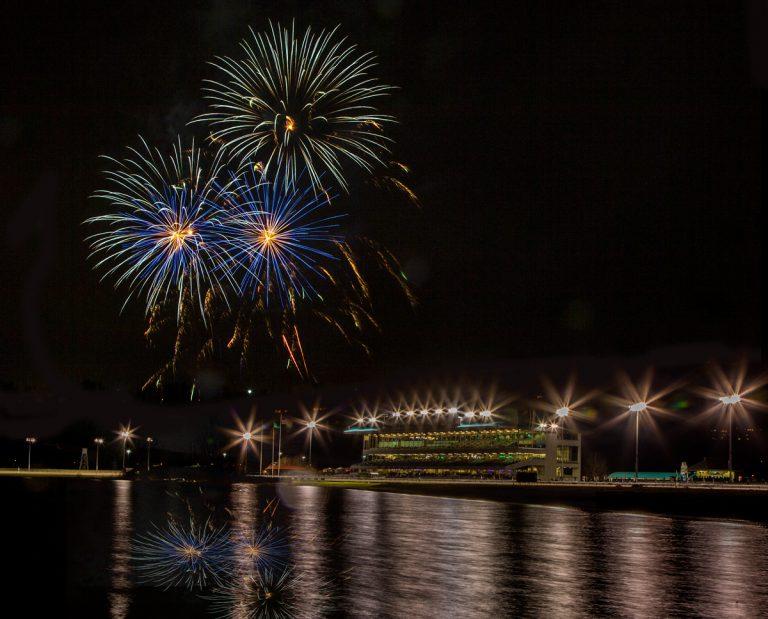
(120, 557)
(311, 543)
(639, 561)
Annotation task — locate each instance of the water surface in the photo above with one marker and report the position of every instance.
(377, 554)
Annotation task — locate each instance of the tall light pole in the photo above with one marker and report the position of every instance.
(637, 408)
(272, 457)
(261, 449)
(729, 401)
(124, 434)
(150, 440)
(99, 442)
(311, 425)
(31, 440)
(247, 436)
(279, 439)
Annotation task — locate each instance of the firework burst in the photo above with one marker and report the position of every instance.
(296, 102)
(271, 237)
(267, 593)
(162, 234)
(264, 548)
(192, 556)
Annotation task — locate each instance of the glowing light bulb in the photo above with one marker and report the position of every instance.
(638, 407)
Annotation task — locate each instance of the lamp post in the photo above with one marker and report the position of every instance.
(247, 436)
(637, 408)
(99, 442)
(729, 401)
(261, 449)
(31, 440)
(311, 425)
(150, 440)
(124, 434)
(279, 439)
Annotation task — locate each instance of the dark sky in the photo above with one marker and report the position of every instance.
(589, 172)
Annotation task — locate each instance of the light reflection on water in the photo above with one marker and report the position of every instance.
(120, 585)
(372, 554)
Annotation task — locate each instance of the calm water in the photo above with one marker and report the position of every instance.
(371, 554)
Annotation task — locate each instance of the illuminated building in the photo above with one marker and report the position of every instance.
(474, 450)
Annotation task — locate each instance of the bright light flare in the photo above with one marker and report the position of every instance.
(126, 434)
(245, 434)
(732, 391)
(564, 403)
(640, 400)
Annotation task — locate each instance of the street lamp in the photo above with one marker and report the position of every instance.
(31, 440)
(125, 433)
(311, 425)
(99, 442)
(563, 411)
(247, 438)
(729, 401)
(637, 408)
(150, 440)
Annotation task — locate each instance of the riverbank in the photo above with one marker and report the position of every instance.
(712, 500)
(102, 474)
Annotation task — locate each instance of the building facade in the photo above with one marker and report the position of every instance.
(515, 453)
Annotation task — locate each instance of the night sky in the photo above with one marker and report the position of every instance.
(589, 174)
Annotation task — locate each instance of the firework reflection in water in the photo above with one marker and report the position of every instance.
(265, 593)
(193, 556)
(265, 548)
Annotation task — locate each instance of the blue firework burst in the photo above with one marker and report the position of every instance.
(162, 234)
(272, 241)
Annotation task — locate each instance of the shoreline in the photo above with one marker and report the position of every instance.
(746, 502)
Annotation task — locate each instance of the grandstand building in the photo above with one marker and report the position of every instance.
(477, 450)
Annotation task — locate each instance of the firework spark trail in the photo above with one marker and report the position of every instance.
(298, 103)
(271, 240)
(192, 556)
(161, 238)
